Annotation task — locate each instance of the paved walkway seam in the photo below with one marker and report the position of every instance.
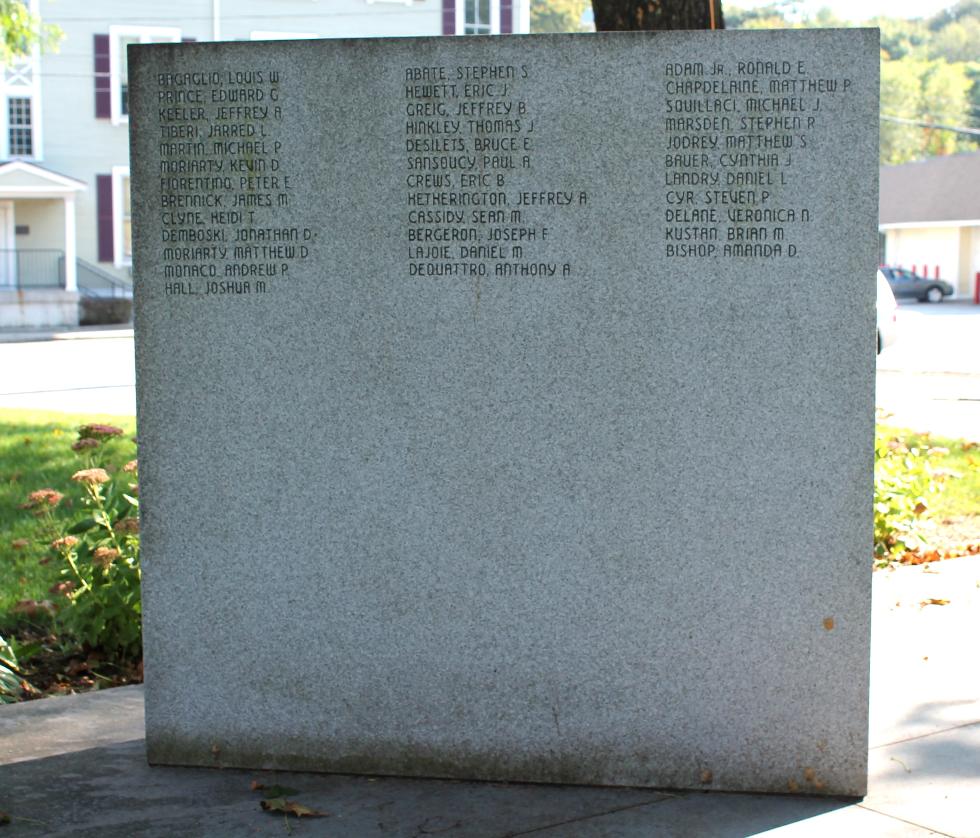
(664, 796)
(925, 735)
(930, 829)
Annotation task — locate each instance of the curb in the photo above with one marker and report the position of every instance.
(83, 333)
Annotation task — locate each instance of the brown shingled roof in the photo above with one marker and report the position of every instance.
(937, 189)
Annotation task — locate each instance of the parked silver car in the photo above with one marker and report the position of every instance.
(887, 311)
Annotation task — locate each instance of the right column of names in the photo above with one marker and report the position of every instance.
(734, 137)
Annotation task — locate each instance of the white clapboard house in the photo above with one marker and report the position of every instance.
(64, 148)
(929, 219)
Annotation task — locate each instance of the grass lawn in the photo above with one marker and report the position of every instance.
(960, 495)
(35, 453)
(950, 524)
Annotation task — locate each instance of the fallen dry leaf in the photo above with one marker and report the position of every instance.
(828, 623)
(31, 607)
(77, 667)
(272, 791)
(896, 759)
(288, 807)
(933, 601)
(706, 776)
(60, 689)
(920, 557)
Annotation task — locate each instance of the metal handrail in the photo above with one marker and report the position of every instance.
(23, 269)
(92, 281)
(38, 268)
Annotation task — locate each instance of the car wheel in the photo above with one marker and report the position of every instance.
(934, 294)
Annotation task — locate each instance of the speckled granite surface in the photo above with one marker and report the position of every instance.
(597, 511)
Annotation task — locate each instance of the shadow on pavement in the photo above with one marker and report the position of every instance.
(110, 791)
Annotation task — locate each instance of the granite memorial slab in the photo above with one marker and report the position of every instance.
(506, 405)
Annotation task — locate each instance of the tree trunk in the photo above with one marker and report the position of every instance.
(657, 14)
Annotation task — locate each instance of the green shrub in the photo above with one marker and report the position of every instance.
(904, 477)
(99, 311)
(101, 555)
(11, 684)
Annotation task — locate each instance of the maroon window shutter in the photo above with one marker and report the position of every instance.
(103, 83)
(103, 214)
(506, 17)
(448, 17)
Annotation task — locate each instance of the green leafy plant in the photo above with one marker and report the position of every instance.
(11, 682)
(101, 555)
(904, 477)
(20, 31)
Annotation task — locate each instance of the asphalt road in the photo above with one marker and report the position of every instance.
(82, 372)
(929, 380)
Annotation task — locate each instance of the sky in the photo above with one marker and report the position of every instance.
(860, 10)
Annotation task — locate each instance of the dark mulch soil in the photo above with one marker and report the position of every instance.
(48, 668)
(950, 538)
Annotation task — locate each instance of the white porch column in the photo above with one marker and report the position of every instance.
(71, 279)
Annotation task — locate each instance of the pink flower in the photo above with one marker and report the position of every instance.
(42, 498)
(92, 476)
(127, 526)
(64, 543)
(95, 431)
(105, 556)
(84, 444)
(131, 467)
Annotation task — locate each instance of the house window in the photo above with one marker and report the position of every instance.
(122, 233)
(478, 17)
(123, 80)
(20, 105)
(268, 35)
(20, 127)
(120, 37)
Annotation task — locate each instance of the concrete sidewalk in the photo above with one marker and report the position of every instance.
(76, 765)
(36, 335)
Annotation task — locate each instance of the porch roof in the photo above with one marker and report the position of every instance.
(20, 179)
(930, 193)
